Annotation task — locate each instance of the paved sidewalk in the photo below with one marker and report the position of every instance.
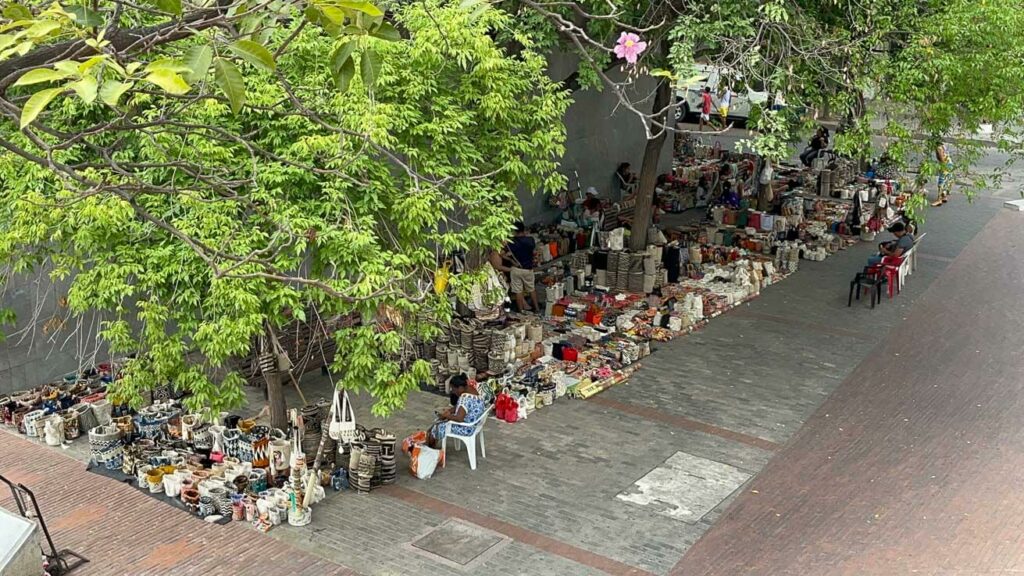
(915, 463)
(122, 531)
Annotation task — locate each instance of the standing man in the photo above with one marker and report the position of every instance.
(723, 105)
(705, 107)
(522, 248)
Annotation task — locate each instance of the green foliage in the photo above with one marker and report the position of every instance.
(263, 191)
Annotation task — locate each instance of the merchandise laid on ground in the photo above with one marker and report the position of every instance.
(218, 467)
(604, 305)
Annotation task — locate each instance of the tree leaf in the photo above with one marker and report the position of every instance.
(370, 67)
(41, 75)
(170, 81)
(17, 12)
(198, 60)
(36, 104)
(341, 54)
(169, 6)
(85, 66)
(387, 32)
(42, 28)
(343, 77)
(85, 16)
(86, 89)
(70, 67)
(254, 54)
(332, 14)
(112, 90)
(230, 81)
(168, 64)
(364, 7)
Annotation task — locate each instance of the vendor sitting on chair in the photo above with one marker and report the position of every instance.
(592, 209)
(895, 248)
(467, 406)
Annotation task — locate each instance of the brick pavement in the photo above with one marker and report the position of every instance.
(734, 393)
(914, 464)
(123, 531)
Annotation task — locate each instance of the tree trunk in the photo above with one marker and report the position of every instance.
(649, 172)
(275, 398)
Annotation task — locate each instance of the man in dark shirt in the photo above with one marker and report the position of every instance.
(895, 248)
(521, 249)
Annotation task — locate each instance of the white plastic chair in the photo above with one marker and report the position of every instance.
(469, 440)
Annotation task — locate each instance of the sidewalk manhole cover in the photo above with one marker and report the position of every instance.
(685, 487)
(457, 542)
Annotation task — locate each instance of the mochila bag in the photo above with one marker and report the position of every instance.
(343, 419)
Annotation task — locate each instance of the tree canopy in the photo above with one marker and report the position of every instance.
(203, 191)
(205, 172)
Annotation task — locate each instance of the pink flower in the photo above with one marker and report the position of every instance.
(629, 47)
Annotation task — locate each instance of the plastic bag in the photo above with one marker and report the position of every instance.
(423, 461)
(411, 441)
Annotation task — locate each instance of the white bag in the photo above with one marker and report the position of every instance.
(426, 461)
(343, 420)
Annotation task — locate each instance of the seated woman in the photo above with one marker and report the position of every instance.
(467, 406)
(592, 209)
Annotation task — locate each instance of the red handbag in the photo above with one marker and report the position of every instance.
(511, 410)
(501, 405)
(570, 354)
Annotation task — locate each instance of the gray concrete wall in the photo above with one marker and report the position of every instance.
(37, 357)
(600, 134)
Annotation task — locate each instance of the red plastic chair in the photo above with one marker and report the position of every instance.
(888, 269)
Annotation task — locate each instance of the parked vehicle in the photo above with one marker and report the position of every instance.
(688, 96)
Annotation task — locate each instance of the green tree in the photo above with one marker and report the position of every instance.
(204, 176)
(927, 71)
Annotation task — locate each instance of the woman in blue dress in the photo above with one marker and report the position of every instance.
(467, 406)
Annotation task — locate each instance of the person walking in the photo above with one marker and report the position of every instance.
(706, 105)
(521, 250)
(945, 174)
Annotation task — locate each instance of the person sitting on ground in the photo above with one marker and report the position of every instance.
(703, 191)
(467, 406)
(818, 143)
(521, 250)
(894, 248)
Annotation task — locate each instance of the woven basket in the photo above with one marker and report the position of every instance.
(86, 418)
(71, 428)
(30, 423)
(102, 410)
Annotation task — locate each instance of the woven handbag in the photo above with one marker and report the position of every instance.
(343, 419)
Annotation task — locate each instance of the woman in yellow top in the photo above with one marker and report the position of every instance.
(945, 174)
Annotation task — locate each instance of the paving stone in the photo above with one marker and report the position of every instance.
(685, 487)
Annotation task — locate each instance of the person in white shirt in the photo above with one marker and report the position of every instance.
(723, 104)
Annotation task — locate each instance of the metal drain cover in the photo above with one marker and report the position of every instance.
(457, 542)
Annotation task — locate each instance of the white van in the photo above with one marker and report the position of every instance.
(688, 95)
